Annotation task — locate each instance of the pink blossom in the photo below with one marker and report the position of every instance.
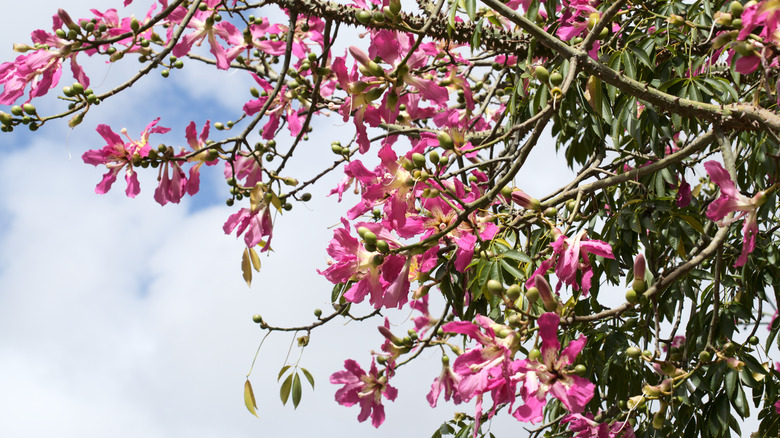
(171, 188)
(385, 279)
(197, 144)
(256, 221)
(566, 259)
(731, 200)
(448, 382)
(364, 389)
(585, 427)
(280, 106)
(40, 69)
(205, 28)
(118, 155)
(551, 374)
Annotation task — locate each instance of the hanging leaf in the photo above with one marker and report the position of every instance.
(249, 398)
(309, 377)
(284, 391)
(593, 94)
(255, 259)
(296, 390)
(282, 371)
(246, 267)
(471, 8)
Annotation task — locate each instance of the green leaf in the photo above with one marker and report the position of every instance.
(249, 398)
(693, 222)
(642, 56)
(282, 371)
(296, 390)
(471, 8)
(284, 391)
(309, 377)
(739, 401)
(517, 255)
(452, 12)
(476, 39)
(512, 270)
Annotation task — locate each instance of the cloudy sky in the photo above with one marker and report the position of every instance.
(123, 318)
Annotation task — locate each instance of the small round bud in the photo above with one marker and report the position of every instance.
(532, 294)
(495, 287)
(633, 352)
(257, 319)
(317, 312)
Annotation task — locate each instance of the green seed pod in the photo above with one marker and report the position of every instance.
(632, 297)
(257, 319)
(532, 294)
(17, 110)
(495, 287)
(513, 292)
(542, 74)
(534, 354)
(556, 78)
(736, 9)
(633, 352)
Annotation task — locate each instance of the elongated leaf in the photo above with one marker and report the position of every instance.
(296, 390)
(282, 371)
(309, 377)
(255, 259)
(511, 269)
(517, 255)
(593, 94)
(471, 8)
(249, 398)
(246, 267)
(284, 391)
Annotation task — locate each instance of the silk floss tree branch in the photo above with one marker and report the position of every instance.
(442, 108)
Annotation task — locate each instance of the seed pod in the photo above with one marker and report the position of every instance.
(542, 74)
(556, 78)
(736, 9)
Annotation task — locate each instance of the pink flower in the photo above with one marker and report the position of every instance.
(731, 200)
(205, 28)
(118, 155)
(256, 219)
(551, 375)
(385, 279)
(566, 258)
(197, 144)
(585, 427)
(41, 69)
(170, 188)
(364, 389)
(448, 382)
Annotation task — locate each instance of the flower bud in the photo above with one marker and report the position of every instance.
(524, 200)
(636, 401)
(550, 303)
